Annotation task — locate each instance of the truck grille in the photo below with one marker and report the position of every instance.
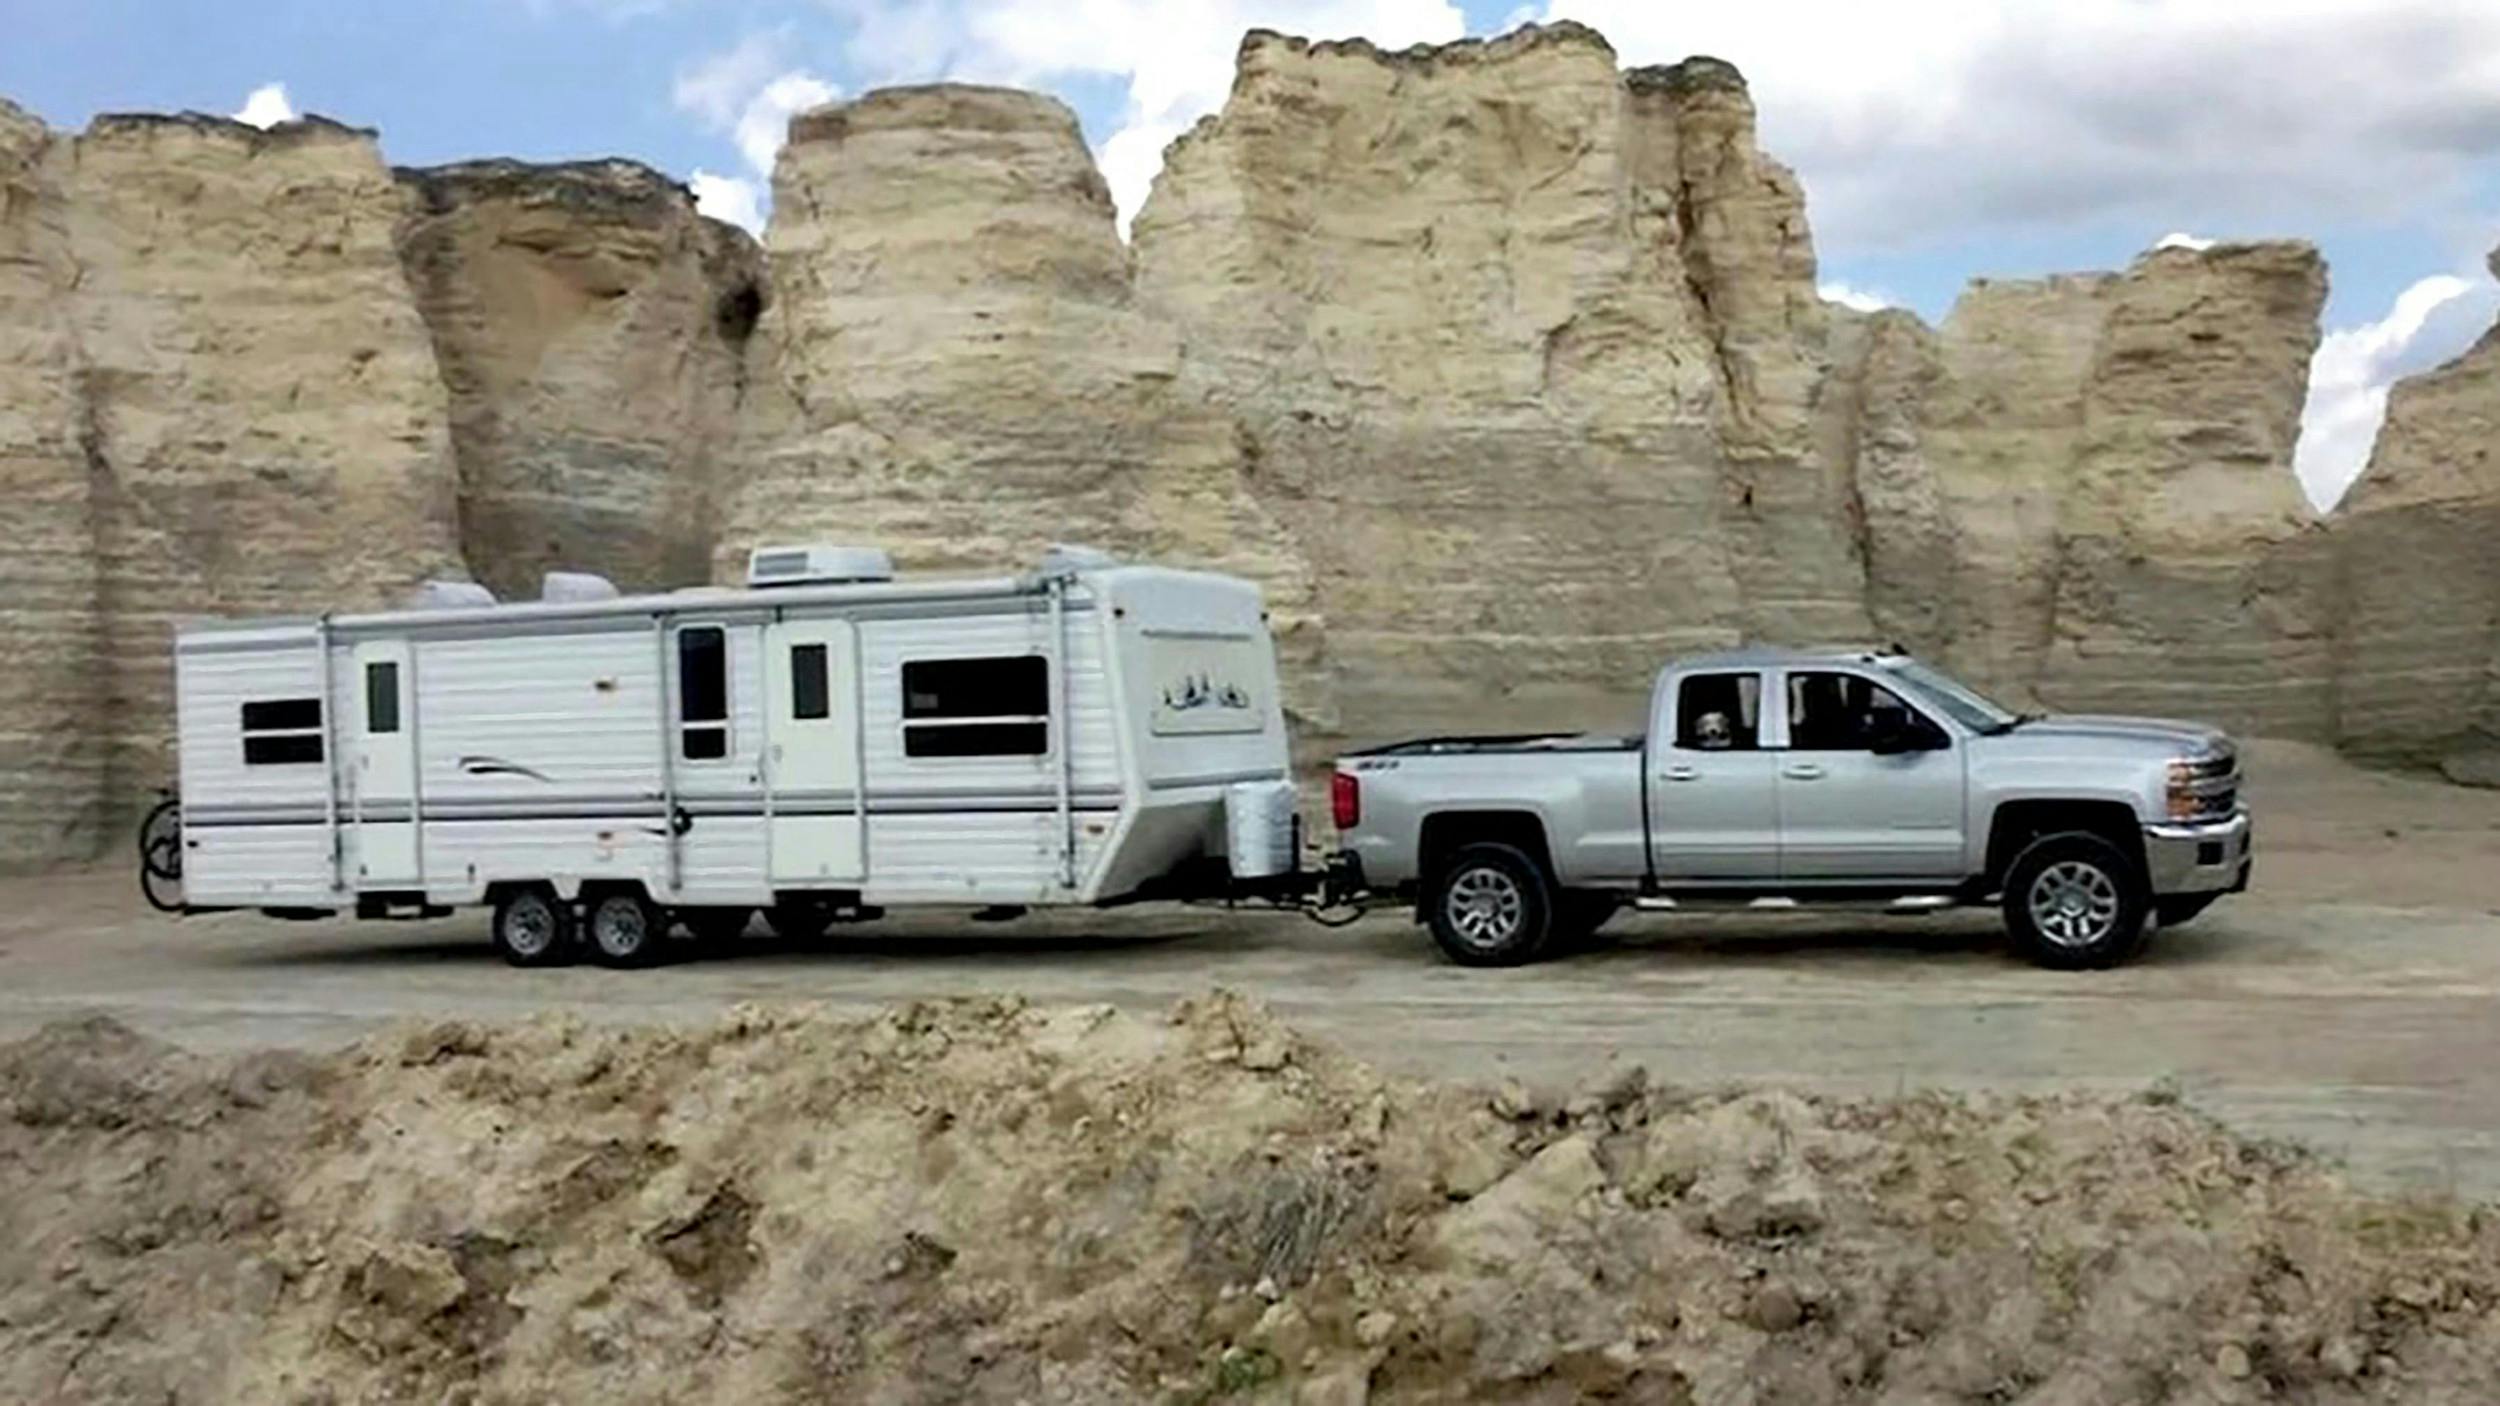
(2214, 781)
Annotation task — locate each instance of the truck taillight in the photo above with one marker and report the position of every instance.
(1345, 800)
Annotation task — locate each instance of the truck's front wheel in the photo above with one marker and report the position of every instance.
(1491, 905)
(2074, 901)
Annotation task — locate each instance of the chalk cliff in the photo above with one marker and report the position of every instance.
(1500, 366)
(2417, 565)
(590, 328)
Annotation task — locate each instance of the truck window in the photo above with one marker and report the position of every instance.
(992, 707)
(702, 693)
(1829, 712)
(1719, 712)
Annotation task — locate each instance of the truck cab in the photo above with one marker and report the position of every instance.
(1781, 778)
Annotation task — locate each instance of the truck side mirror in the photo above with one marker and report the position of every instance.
(1895, 733)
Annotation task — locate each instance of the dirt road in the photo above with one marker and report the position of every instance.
(2352, 1002)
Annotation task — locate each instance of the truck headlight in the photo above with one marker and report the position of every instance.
(2185, 804)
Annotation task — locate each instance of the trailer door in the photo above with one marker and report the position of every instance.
(811, 720)
(383, 801)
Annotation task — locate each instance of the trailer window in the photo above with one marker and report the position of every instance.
(810, 699)
(703, 693)
(282, 732)
(990, 707)
(381, 698)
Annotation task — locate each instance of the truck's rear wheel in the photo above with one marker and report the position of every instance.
(2074, 901)
(625, 929)
(1491, 906)
(533, 928)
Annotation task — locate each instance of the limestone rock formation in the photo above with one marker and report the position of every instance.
(590, 329)
(264, 424)
(52, 782)
(953, 364)
(2078, 491)
(1525, 347)
(221, 401)
(2417, 547)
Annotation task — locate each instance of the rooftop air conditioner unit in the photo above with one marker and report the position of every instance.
(818, 566)
(449, 595)
(575, 586)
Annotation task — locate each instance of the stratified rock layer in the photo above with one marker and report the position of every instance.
(2417, 551)
(1526, 348)
(590, 329)
(953, 366)
(266, 429)
(52, 769)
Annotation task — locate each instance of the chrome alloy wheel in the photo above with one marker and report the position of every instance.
(621, 926)
(1485, 908)
(529, 925)
(2074, 904)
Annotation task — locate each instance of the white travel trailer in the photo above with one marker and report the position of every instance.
(818, 745)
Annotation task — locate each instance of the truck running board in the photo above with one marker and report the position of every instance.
(1784, 903)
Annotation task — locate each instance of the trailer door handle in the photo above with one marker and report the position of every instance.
(1683, 773)
(1804, 771)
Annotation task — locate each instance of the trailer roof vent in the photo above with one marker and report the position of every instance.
(575, 586)
(449, 595)
(817, 566)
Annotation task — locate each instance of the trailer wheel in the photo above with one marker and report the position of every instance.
(2075, 901)
(533, 928)
(625, 929)
(799, 921)
(1491, 906)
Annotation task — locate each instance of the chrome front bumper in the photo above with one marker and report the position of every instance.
(2203, 857)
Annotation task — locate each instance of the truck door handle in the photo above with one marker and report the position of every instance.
(1804, 771)
(1683, 773)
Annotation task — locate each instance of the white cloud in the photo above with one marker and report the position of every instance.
(748, 92)
(267, 106)
(730, 198)
(2431, 322)
(1849, 295)
(2180, 239)
(1942, 123)
(1175, 56)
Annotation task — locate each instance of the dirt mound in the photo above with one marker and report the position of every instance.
(981, 1201)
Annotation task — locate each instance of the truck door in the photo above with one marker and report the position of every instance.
(1850, 811)
(811, 745)
(383, 753)
(1712, 794)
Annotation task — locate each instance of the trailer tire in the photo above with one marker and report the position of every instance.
(533, 927)
(2074, 902)
(1490, 905)
(624, 928)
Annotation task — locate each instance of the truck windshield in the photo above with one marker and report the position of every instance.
(1957, 701)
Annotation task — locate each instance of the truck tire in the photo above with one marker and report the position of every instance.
(624, 929)
(2075, 901)
(533, 927)
(1490, 905)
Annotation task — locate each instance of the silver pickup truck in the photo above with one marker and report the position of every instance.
(1777, 779)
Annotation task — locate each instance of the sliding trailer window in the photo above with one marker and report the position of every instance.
(997, 706)
(282, 732)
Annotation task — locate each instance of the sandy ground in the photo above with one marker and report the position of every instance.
(2351, 1002)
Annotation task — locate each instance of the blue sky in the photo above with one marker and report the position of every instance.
(1937, 142)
